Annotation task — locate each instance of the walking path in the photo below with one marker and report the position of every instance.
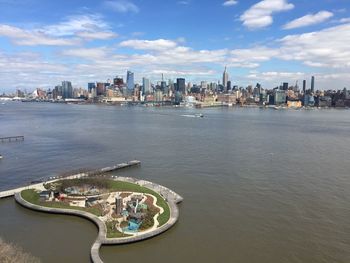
(172, 198)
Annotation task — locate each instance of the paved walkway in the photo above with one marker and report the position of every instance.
(172, 198)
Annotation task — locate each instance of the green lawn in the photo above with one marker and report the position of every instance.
(111, 185)
(33, 197)
(114, 233)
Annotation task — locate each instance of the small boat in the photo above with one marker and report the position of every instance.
(1, 157)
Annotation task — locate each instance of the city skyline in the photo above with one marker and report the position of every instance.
(267, 42)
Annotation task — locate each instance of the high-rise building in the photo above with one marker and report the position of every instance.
(181, 85)
(118, 82)
(100, 89)
(67, 90)
(312, 84)
(130, 82)
(91, 86)
(285, 86)
(225, 79)
(146, 86)
(304, 86)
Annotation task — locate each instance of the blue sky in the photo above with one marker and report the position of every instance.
(268, 41)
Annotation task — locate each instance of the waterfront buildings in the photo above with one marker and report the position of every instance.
(203, 94)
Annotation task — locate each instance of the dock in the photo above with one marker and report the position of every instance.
(39, 183)
(12, 139)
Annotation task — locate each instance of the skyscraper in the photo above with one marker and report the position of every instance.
(67, 90)
(130, 80)
(304, 86)
(312, 84)
(285, 86)
(225, 79)
(146, 86)
(180, 85)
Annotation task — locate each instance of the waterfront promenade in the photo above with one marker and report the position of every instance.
(172, 198)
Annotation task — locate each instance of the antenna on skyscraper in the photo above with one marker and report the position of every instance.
(162, 77)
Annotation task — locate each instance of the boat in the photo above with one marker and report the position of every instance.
(1, 157)
(193, 115)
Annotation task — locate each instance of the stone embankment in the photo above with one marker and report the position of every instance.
(172, 198)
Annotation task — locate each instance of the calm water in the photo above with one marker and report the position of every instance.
(259, 185)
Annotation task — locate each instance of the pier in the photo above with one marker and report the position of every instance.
(12, 139)
(39, 184)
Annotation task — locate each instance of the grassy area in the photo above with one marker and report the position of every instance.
(126, 186)
(112, 232)
(33, 197)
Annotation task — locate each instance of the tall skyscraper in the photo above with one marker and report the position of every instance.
(67, 90)
(225, 79)
(304, 86)
(312, 84)
(130, 80)
(181, 85)
(146, 86)
(285, 86)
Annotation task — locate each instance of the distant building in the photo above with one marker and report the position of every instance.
(304, 86)
(91, 85)
(181, 85)
(312, 84)
(280, 97)
(225, 79)
(67, 90)
(130, 81)
(309, 100)
(100, 89)
(146, 86)
(285, 86)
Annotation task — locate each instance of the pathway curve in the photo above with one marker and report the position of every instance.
(172, 198)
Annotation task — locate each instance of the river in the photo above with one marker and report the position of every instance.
(258, 185)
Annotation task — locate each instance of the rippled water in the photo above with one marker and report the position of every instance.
(259, 185)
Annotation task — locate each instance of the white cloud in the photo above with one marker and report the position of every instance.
(99, 53)
(325, 51)
(345, 20)
(159, 44)
(183, 2)
(260, 14)
(230, 3)
(73, 24)
(308, 20)
(32, 38)
(97, 35)
(122, 6)
(328, 47)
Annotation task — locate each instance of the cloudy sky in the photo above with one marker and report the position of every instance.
(270, 41)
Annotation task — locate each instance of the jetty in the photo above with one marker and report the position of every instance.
(12, 139)
(38, 184)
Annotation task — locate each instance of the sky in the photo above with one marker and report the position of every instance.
(269, 42)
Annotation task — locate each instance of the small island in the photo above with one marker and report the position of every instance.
(124, 209)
